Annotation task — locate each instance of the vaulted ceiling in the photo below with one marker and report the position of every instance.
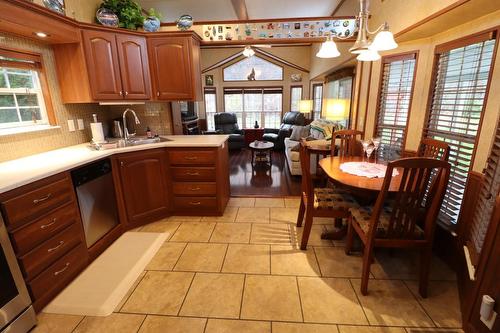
(209, 10)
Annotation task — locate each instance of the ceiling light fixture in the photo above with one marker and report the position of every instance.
(41, 34)
(366, 49)
(248, 52)
(328, 49)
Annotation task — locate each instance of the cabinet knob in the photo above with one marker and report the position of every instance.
(158, 93)
(45, 226)
(121, 93)
(122, 164)
(42, 199)
(126, 93)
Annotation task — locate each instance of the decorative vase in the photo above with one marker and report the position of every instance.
(151, 24)
(256, 125)
(184, 22)
(107, 17)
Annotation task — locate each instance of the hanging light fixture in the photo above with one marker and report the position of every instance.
(248, 52)
(328, 49)
(366, 49)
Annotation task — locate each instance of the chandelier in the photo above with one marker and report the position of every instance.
(364, 47)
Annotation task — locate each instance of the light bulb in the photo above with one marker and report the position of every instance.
(368, 55)
(383, 41)
(328, 50)
(248, 52)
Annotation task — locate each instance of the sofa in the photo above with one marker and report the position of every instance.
(227, 123)
(278, 135)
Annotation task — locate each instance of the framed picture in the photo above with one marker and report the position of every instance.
(209, 80)
(296, 77)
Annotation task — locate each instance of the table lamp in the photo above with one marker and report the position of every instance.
(337, 109)
(305, 105)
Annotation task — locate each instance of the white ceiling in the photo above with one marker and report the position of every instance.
(209, 10)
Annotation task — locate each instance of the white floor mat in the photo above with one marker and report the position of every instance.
(100, 288)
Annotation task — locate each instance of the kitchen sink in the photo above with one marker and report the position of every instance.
(133, 141)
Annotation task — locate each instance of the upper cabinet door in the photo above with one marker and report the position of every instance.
(102, 63)
(134, 67)
(171, 64)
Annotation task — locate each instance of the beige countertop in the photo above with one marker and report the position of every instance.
(28, 169)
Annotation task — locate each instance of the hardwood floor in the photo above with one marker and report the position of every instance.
(261, 181)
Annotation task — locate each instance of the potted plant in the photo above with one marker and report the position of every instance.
(129, 13)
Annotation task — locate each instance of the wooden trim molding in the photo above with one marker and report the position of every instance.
(340, 74)
(367, 98)
(240, 8)
(337, 7)
(284, 19)
(358, 95)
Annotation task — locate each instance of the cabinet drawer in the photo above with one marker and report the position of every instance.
(59, 274)
(206, 189)
(25, 207)
(43, 256)
(181, 174)
(42, 229)
(202, 203)
(192, 157)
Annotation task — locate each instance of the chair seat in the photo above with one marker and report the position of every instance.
(331, 198)
(362, 216)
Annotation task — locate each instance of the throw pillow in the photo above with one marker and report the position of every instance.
(299, 132)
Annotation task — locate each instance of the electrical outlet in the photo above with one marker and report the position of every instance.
(80, 124)
(71, 125)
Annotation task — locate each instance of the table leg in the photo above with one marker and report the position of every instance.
(270, 157)
(253, 152)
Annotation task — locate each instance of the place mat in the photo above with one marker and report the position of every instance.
(366, 169)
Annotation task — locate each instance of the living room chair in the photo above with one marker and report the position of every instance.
(318, 202)
(434, 149)
(278, 135)
(227, 123)
(348, 145)
(394, 224)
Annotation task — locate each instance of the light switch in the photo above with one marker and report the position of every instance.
(71, 125)
(80, 124)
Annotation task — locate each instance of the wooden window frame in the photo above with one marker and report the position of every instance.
(301, 86)
(385, 60)
(36, 65)
(314, 98)
(241, 58)
(214, 90)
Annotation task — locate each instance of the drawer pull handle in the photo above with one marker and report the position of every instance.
(192, 173)
(191, 158)
(42, 199)
(195, 203)
(61, 243)
(195, 188)
(62, 270)
(45, 226)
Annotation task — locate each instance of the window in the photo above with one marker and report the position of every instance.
(295, 97)
(21, 97)
(317, 100)
(460, 84)
(263, 105)
(264, 70)
(395, 94)
(210, 107)
(339, 86)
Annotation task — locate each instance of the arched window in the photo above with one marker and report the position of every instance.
(263, 70)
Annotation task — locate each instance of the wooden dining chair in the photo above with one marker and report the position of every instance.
(395, 225)
(319, 201)
(348, 144)
(434, 149)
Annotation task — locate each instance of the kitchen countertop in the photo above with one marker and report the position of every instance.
(28, 169)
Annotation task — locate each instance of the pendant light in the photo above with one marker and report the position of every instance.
(368, 55)
(384, 40)
(328, 49)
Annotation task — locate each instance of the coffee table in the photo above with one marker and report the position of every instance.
(262, 152)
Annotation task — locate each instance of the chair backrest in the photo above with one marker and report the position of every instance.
(348, 144)
(294, 118)
(408, 207)
(305, 163)
(227, 122)
(434, 149)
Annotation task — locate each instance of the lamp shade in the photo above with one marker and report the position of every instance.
(305, 105)
(337, 109)
(368, 55)
(328, 50)
(383, 41)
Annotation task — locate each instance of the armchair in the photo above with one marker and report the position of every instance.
(227, 123)
(278, 135)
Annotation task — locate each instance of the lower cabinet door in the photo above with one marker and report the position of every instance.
(144, 186)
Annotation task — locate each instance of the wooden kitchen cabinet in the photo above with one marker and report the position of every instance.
(143, 186)
(175, 66)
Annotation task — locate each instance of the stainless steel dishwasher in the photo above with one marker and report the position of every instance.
(96, 197)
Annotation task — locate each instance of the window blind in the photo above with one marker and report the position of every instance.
(396, 90)
(460, 85)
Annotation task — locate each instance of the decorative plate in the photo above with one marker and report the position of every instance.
(107, 17)
(55, 5)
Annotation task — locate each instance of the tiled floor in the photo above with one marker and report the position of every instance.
(244, 272)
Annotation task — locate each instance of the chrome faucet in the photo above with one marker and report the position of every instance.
(126, 134)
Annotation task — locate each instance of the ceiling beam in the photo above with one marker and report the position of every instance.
(240, 8)
(337, 7)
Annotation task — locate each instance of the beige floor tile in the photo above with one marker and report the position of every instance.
(193, 232)
(390, 303)
(201, 257)
(115, 323)
(166, 257)
(156, 324)
(314, 236)
(228, 216)
(241, 202)
(184, 218)
(290, 260)
(433, 330)
(237, 326)
(258, 215)
(159, 293)
(303, 328)
(231, 233)
(284, 215)
(130, 291)
(214, 295)
(242, 258)
(368, 329)
(270, 234)
(442, 303)
(333, 262)
(269, 202)
(330, 300)
(271, 298)
(292, 202)
(56, 323)
(162, 226)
